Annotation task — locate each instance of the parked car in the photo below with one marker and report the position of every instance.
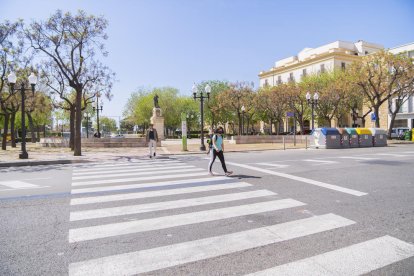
(398, 132)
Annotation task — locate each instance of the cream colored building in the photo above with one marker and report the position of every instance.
(405, 116)
(338, 54)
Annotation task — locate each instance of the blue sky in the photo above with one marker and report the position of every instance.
(155, 43)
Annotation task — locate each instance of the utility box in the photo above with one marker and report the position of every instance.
(364, 137)
(379, 137)
(345, 138)
(328, 138)
(353, 137)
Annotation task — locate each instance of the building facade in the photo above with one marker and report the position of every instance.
(405, 116)
(335, 55)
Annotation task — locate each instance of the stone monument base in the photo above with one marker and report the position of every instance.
(158, 121)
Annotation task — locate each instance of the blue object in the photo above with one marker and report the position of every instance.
(329, 131)
(373, 117)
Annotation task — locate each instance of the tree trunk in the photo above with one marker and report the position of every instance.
(13, 129)
(78, 121)
(240, 123)
(5, 131)
(31, 126)
(72, 128)
(393, 115)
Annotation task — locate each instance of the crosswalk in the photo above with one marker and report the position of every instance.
(125, 199)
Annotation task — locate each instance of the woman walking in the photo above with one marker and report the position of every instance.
(217, 151)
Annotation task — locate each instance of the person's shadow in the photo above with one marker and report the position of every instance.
(243, 176)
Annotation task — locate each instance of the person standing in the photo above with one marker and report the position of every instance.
(152, 139)
(218, 151)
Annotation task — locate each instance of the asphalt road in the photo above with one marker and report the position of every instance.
(315, 212)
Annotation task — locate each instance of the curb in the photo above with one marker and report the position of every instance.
(42, 162)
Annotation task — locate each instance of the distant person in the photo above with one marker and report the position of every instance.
(218, 150)
(152, 139)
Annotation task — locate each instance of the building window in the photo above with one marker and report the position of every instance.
(279, 79)
(322, 68)
(291, 78)
(266, 84)
(304, 72)
(366, 52)
(343, 65)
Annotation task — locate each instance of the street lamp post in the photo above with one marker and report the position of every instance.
(243, 110)
(207, 89)
(87, 116)
(97, 115)
(12, 81)
(312, 102)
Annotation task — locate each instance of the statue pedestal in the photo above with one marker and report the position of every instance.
(158, 121)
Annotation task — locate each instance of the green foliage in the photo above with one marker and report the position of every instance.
(108, 124)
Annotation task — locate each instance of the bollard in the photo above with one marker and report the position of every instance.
(284, 145)
(306, 142)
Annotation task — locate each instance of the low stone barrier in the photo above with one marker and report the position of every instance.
(97, 142)
(261, 139)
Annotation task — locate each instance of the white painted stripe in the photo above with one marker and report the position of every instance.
(182, 253)
(302, 179)
(129, 227)
(392, 154)
(137, 172)
(149, 194)
(358, 158)
(165, 205)
(123, 168)
(319, 161)
(119, 164)
(16, 184)
(151, 177)
(273, 165)
(355, 260)
(152, 184)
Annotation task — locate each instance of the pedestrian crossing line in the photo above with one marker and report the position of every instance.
(357, 259)
(321, 162)
(152, 184)
(17, 184)
(124, 168)
(392, 154)
(302, 179)
(358, 158)
(130, 227)
(149, 194)
(119, 164)
(166, 205)
(273, 165)
(177, 254)
(151, 177)
(146, 171)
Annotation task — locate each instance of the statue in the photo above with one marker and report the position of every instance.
(156, 101)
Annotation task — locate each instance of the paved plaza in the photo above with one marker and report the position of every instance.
(293, 212)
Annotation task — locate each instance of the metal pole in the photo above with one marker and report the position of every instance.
(284, 145)
(87, 126)
(24, 154)
(202, 147)
(313, 116)
(97, 118)
(294, 130)
(306, 142)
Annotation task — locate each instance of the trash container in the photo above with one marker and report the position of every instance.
(344, 138)
(379, 137)
(412, 135)
(353, 137)
(407, 135)
(364, 137)
(328, 138)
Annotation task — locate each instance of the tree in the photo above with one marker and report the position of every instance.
(272, 104)
(330, 96)
(70, 44)
(297, 103)
(379, 74)
(108, 124)
(10, 55)
(231, 100)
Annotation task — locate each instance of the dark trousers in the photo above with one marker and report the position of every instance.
(221, 157)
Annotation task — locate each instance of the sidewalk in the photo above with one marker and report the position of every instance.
(44, 156)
